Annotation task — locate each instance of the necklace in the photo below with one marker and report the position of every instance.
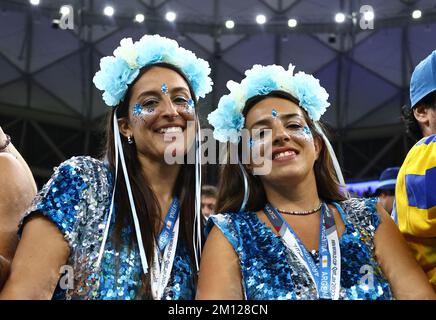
(301, 213)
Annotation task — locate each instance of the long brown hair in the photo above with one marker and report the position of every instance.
(146, 202)
(231, 185)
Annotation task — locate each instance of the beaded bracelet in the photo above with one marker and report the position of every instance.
(8, 141)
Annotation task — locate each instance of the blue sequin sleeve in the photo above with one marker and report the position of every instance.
(63, 198)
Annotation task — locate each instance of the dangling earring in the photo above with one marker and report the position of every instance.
(129, 140)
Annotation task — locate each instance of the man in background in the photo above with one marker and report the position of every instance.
(416, 183)
(386, 188)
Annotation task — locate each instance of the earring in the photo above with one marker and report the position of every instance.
(129, 140)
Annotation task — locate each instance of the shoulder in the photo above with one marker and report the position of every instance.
(9, 167)
(82, 165)
(6, 158)
(427, 141)
(78, 173)
(423, 152)
(78, 192)
(74, 176)
(228, 220)
(13, 181)
(354, 205)
(361, 212)
(233, 225)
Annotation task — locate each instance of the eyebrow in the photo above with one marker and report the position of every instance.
(157, 93)
(267, 120)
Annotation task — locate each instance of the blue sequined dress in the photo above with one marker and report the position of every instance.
(77, 199)
(270, 271)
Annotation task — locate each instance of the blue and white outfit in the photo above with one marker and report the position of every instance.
(271, 271)
(77, 200)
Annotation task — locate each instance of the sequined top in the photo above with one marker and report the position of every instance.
(270, 271)
(77, 199)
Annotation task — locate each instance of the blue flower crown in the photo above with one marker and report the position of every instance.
(118, 71)
(228, 120)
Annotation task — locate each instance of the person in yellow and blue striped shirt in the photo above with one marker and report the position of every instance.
(416, 183)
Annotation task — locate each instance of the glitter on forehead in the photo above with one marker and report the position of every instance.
(164, 88)
(137, 110)
(274, 113)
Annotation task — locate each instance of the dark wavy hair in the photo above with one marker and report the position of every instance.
(413, 128)
(231, 182)
(146, 202)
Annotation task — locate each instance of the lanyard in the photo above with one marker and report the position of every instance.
(169, 223)
(327, 276)
(167, 242)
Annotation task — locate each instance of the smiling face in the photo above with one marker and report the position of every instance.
(294, 148)
(161, 114)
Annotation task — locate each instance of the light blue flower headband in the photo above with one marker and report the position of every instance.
(118, 71)
(228, 120)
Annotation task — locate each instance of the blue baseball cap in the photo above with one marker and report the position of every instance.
(388, 179)
(423, 79)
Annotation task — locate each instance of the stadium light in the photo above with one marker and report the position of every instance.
(170, 16)
(108, 11)
(260, 19)
(340, 17)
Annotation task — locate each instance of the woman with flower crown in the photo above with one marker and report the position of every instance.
(127, 226)
(293, 233)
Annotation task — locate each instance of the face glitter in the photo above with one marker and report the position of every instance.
(137, 110)
(301, 133)
(164, 88)
(191, 104)
(274, 114)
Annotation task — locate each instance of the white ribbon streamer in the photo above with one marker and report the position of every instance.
(196, 230)
(246, 187)
(109, 218)
(119, 149)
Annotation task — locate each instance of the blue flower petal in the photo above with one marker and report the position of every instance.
(115, 74)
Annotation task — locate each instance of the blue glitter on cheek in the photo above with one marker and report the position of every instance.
(307, 131)
(164, 88)
(191, 104)
(137, 110)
